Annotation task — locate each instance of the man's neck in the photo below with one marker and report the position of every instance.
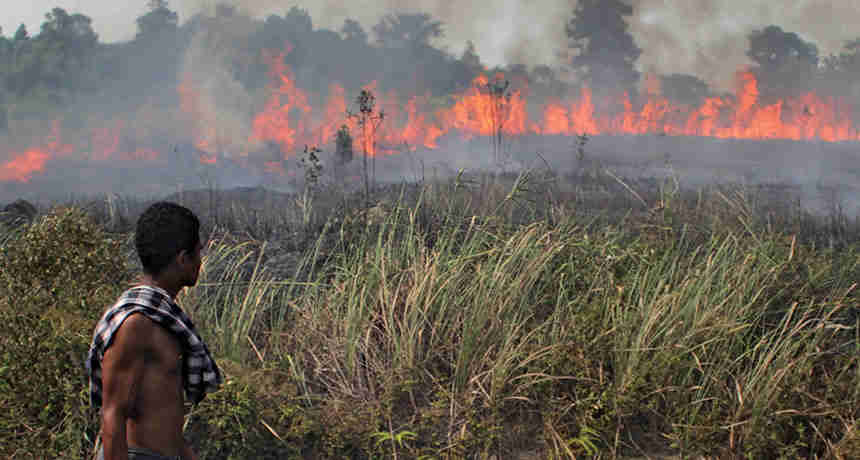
(171, 288)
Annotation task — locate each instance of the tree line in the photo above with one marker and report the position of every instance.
(66, 65)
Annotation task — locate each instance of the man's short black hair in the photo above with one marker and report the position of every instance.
(164, 230)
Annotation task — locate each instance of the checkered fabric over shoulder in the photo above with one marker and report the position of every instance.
(200, 374)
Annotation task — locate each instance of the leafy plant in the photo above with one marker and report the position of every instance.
(55, 279)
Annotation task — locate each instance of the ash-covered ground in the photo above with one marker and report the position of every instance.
(820, 176)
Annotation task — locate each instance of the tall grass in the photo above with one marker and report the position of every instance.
(490, 338)
(490, 317)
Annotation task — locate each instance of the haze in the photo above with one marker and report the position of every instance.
(701, 37)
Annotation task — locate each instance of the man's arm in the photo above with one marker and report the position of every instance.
(122, 373)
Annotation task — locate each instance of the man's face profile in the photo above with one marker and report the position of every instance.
(193, 261)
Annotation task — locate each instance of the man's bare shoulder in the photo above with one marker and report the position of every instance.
(137, 328)
(139, 333)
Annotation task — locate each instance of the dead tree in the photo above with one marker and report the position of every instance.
(368, 120)
(500, 109)
(343, 150)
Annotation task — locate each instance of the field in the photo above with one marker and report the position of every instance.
(524, 315)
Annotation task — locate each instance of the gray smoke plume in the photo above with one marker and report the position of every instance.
(707, 38)
(700, 37)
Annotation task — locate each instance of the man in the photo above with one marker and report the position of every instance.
(146, 351)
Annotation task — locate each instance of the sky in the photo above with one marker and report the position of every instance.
(700, 37)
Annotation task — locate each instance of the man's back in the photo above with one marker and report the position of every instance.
(142, 384)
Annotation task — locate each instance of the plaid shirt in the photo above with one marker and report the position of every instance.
(200, 374)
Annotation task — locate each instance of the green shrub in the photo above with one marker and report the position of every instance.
(254, 414)
(55, 279)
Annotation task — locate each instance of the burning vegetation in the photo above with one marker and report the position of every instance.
(297, 86)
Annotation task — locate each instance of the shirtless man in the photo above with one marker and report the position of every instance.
(145, 350)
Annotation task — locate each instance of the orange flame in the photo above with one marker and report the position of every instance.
(478, 112)
(273, 123)
(809, 117)
(288, 121)
(22, 167)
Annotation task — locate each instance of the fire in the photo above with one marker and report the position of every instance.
(23, 166)
(703, 122)
(287, 121)
(201, 117)
(106, 143)
(744, 116)
(334, 113)
(274, 124)
(480, 111)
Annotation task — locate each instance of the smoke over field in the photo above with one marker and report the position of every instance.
(232, 97)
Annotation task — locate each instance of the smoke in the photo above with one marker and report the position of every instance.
(507, 31)
(218, 104)
(705, 38)
(698, 37)
(708, 38)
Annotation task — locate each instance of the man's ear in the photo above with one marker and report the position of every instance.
(182, 258)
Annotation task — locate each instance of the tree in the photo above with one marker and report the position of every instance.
(157, 50)
(353, 32)
(14, 78)
(771, 48)
(545, 83)
(343, 150)
(464, 70)
(4, 118)
(298, 27)
(470, 57)
(5, 48)
(786, 64)
(847, 60)
(500, 109)
(839, 73)
(686, 89)
(409, 59)
(64, 47)
(72, 34)
(157, 22)
(21, 34)
(59, 58)
(369, 120)
(359, 62)
(606, 52)
(407, 30)
(299, 21)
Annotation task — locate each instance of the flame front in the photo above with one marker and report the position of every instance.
(288, 121)
(808, 117)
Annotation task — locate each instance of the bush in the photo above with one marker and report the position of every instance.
(55, 279)
(254, 414)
